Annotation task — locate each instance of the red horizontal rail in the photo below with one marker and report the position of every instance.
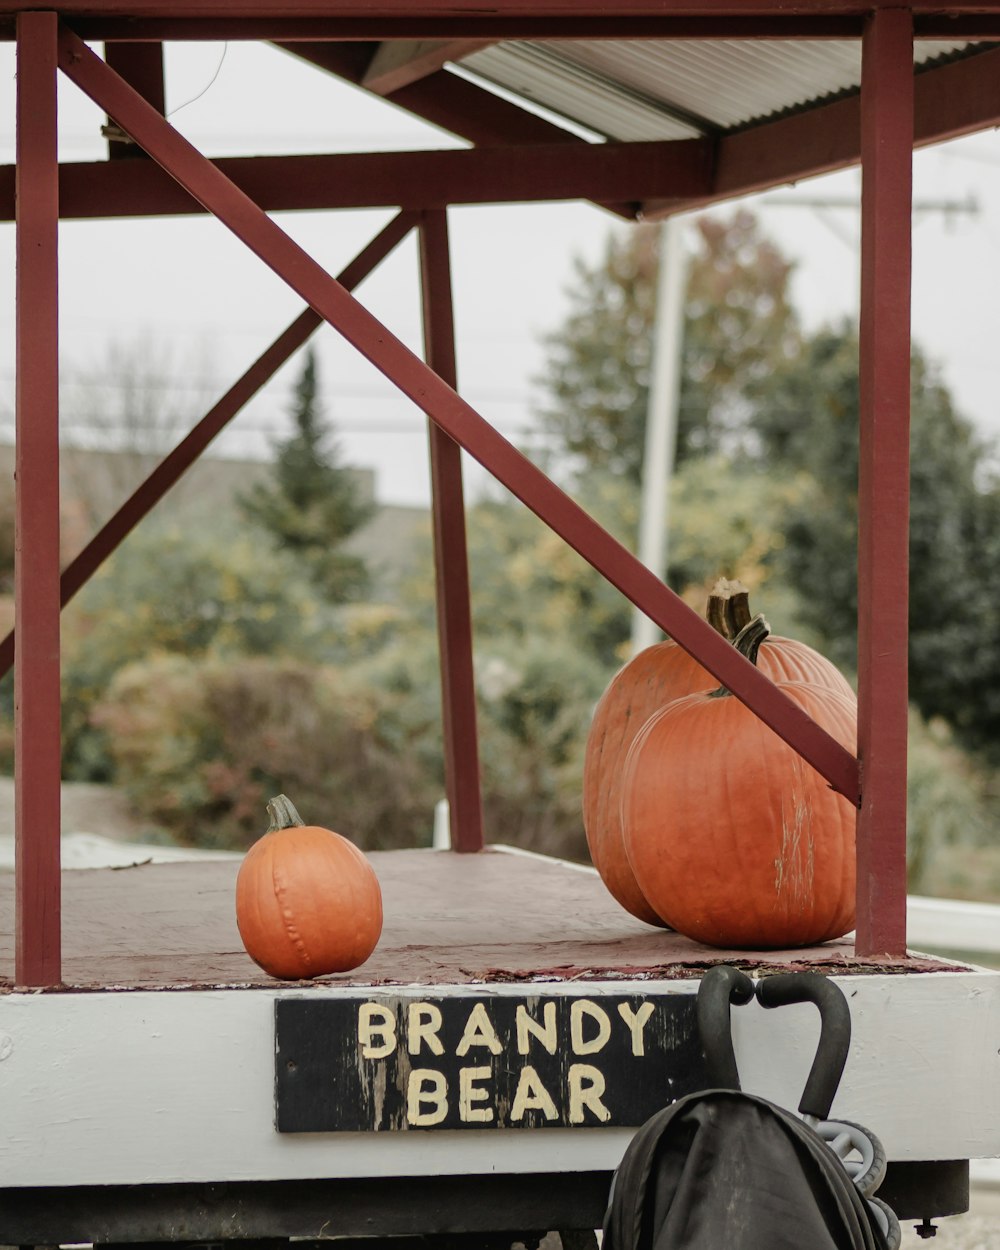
(419, 13)
(770, 21)
(280, 26)
(473, 27)
(409, 180)
(430, 393)
(453, 103)
(169, 471)
(949, 100)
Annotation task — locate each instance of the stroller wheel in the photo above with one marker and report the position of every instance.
(885, 1218)
(858, 1149)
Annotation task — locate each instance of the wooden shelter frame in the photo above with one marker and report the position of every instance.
(518, 157)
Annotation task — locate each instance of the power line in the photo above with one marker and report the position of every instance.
(207, 389)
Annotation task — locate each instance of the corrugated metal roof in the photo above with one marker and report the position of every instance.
(637, 90)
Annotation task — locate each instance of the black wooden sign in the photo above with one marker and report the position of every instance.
(504, 1061)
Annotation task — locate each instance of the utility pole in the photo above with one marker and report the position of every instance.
(661, 416)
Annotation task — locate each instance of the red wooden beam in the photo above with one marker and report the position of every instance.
(950, 100)
(410, 180)
(884, 481)
(492, 28)
(957, 99)
(430, 393)
(974, 27)
(37, 748)
(419, 15)
(488, 28)
(145, 497)
(398, 62)
(141, 65)
(461, 107)
(453, 103)
(462, 25)
(451, 563)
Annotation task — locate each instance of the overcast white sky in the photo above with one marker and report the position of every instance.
(186, 283)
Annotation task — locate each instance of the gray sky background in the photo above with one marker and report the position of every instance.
(190, 290)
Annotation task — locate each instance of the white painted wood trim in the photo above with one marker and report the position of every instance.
(548, 859)
(953, 924)
(138, 1087)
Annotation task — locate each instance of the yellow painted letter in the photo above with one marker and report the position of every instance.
(586, 1085)
(531, 1095)
(479, 1031)
(422, 1023)
(580, 1008)
(636, 1021)
(527, 1027)
(376, 1022)
(426, 1086)
(469, 1093)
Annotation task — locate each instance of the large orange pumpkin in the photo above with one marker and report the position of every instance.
(307, 900)
(655, 677)
(733, 838)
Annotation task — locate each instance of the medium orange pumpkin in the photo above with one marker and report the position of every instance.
(733, 838)
(307, 900)
(655, 677)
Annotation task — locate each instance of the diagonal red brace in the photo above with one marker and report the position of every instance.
(429, 392)
(146, 496)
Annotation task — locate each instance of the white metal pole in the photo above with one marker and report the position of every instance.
(661, 416)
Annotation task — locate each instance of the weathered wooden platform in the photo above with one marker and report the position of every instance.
(152, 1070)
(449, 919)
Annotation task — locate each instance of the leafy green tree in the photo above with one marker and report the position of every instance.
(315, 501)
(200, 743)
(808, 424)
(739, 326)
(174, 593)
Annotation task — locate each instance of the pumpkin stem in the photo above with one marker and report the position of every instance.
(738, 613)
(728, 608)
(283, 815)
(747, 643)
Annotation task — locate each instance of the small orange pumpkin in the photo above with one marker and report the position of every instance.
(652, 679)
(307, 900)
(733, 838)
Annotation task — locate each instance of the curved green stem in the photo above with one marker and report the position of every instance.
(747, 643)
(283, 815)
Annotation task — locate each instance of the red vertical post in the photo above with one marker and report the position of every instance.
(451, 564)
(884, 477)
(36, 545)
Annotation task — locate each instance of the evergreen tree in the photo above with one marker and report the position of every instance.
(314, 502)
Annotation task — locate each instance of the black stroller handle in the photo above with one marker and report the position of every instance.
(720, 987)
(835, 1031)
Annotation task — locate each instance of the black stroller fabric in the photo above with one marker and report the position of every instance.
(723, 1169)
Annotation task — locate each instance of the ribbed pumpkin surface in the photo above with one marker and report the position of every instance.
(732, 837)
(654, 678)
(307, 903)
